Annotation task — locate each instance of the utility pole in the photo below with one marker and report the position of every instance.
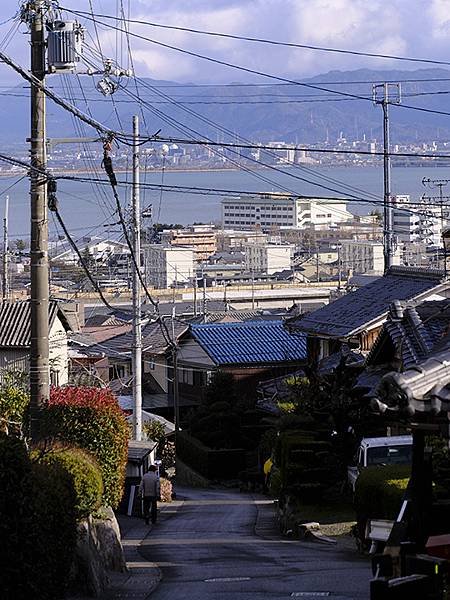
(39, 290)
(176, 398)
(381, 95)
(5, 281)
(204, 297)
(437, 183)
(253, 290)
(137, 327)
(195, 292)
(339, 267)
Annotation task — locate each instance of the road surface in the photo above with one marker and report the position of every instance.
(224, 545)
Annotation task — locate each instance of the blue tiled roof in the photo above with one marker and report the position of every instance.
(250, 342)
(350, 314)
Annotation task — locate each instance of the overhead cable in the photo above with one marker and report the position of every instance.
(264, 40)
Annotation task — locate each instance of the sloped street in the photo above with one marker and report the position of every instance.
(222, 544)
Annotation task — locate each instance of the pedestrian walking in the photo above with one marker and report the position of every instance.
(149, 489)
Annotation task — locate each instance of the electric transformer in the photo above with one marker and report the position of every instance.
(64, 45)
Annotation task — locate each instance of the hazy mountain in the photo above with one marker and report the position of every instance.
(259, 112)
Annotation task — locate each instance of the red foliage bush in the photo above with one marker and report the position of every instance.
(91, 418)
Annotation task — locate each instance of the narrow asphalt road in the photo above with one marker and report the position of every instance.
(225, 545)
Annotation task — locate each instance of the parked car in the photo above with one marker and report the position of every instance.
(394, 450)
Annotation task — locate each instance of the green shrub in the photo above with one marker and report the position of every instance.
(275, 483)
(209, 462)
(166, 490)
(379, 491)
(54, 515)
(13, 405)
(86, 477)
(91, 418)
(37, 525)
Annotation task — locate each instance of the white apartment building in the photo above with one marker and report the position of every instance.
(166, 266)
(268, 258)
(362, 256)
(281, 210)
(417, 222)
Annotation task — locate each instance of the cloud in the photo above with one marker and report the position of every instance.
(417, 28)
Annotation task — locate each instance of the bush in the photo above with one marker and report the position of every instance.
(379, 491)
(166, 490)
(37, 525)
(275, 483)
(54, 515)
(86, 477)
(13, 405)
(91, 419)
(211, 463)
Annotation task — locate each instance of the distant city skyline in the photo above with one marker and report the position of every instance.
(413, 28)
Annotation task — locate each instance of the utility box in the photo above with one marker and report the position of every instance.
(64, 45)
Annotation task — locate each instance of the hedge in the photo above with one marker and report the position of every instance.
(91, 418)
(379, 491)
(86, 477)
(212, 464)
(37, 525)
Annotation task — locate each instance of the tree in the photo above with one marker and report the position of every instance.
(154, 430)
(376, 213)
(20, 245)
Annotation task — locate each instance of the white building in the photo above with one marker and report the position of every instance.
(100, 249)
(281, 210)
(418, 222)
(268, 258)
(361, 256)
(167, 266)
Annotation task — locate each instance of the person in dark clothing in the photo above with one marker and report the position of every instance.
(149, 489)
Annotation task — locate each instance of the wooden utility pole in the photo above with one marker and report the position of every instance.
(5, 275)
(39, 291)
(137, 327)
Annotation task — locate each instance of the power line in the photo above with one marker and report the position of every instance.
(261, 73)
(263, 40)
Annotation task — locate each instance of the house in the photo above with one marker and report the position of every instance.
(157, 339)
(412, 332)
(356, 319)
(15, 339)
(248, 350)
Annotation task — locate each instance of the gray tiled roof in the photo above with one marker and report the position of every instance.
(425, 388)
(153, 340)
(353, 312)
(15, 322)
(423, 328)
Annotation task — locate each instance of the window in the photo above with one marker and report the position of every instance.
(54, 378)
(389, 455)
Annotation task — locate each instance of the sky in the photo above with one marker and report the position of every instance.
(415, 28)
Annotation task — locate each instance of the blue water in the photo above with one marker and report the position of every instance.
(86, 209)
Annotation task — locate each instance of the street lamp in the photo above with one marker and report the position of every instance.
(446, 244)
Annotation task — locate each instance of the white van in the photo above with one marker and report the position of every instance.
(395, 450)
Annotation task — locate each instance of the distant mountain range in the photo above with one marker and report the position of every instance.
(292, 113)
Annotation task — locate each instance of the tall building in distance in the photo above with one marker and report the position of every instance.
(418, 222)
(268, 258)
(168, 266)
(270, 210)
(202, 238)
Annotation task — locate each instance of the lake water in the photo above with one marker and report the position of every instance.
(87, 209)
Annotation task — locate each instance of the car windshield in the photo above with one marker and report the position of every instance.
(389, 455)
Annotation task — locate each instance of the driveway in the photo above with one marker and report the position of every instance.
(225, 545)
